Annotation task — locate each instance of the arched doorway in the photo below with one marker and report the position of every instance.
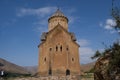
(50, 72)
(67, 72)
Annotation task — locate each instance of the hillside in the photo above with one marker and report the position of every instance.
(12, 68)
(31, 69)
(87, 67)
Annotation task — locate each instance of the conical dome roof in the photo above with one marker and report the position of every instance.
(58, 13)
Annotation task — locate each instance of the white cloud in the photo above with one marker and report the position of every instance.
(70, 15)
(42, 22)
(118, 31)
(42, 12)
(83, 42)
(110, 23)
(86, 59)
(108, 27)
(85, 54)
(85, 51)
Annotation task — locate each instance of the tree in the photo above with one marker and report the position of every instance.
(96, 55)
(116, 15)
(115, 58)
(107, 66)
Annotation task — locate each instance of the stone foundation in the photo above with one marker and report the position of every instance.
(51, 78)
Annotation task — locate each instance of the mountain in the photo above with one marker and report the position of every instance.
(31, 69)
(87, 67)
(12, 68)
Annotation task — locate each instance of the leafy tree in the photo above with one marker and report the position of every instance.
(1, 64)
(116, 15)
(96, 55)
(114, 64)
(112, 53)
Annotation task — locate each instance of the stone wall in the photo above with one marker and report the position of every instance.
(51, 78)
(58, 54)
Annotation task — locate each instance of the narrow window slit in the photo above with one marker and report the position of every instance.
(56, 48)
(60, 48)
(72, 59)
(50, 49)
(67, 49)
(45, 59)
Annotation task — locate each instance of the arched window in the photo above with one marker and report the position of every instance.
(50, 49)
(67, 49)
(50, 72)
(73, 59)
(45, 59)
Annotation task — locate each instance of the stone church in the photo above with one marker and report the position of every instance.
(58, 50)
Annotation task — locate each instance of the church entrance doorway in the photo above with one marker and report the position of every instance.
(67, 72)
(50, 72)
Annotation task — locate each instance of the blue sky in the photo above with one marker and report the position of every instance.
(23, 21)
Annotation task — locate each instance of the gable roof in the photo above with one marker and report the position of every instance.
(45, 34)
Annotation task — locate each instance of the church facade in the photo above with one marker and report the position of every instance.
(58, 50)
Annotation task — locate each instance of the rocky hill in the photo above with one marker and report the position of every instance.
(87, 67)
(12, 68)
